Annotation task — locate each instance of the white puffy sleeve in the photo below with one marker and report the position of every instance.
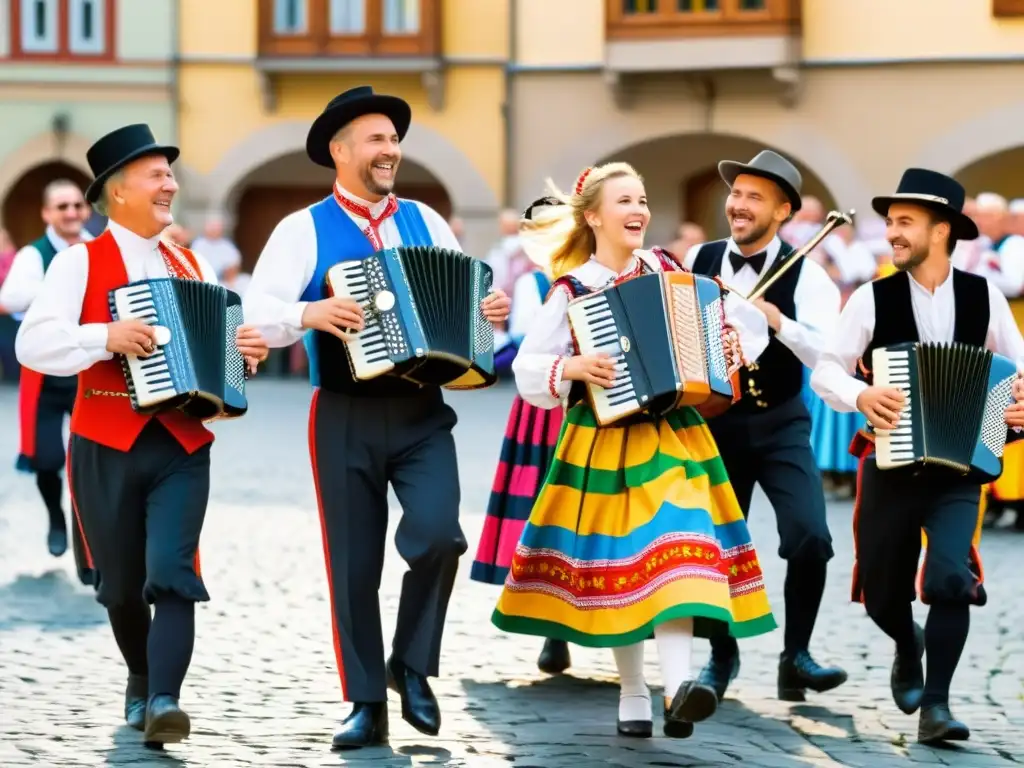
(538, 365)
(750, 325)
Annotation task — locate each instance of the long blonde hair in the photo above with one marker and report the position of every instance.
(556, 236)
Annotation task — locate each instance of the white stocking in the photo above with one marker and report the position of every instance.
(675, 653)
(634, 698)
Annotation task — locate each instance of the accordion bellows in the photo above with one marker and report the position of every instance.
(664, 333)
(953, 415)
(196, 367)
(423, 320)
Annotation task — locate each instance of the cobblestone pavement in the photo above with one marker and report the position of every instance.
(263, 690)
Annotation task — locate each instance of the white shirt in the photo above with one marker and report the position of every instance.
(1004, 266)
(220, 253)
(935, 315)
(526, 304)
(26, 276)
(550, 337)
(51, 339)
(816, 298)
(289, 259)
(855, 261)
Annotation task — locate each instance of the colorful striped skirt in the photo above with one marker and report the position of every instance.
(531, 435)
(831, 432)
(635, 525)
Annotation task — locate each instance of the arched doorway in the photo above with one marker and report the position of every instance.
(291, 182)
(682, 181)
(1000, 172)
(24, 200)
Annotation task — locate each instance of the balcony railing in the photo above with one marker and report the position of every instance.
(349, 28)
(660, 19)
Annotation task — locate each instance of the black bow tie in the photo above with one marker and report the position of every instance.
(755, 262)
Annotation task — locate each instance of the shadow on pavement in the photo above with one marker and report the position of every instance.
(48, 601)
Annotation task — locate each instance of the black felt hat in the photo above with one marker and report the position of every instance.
(346, 107)
(118, 148)
(768, 165)
(936, 192)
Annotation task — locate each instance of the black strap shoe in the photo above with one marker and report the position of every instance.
(693, 702)
(907, 676)
(135, 695)
(675, 728)
(718, 673)
(554, 657)
(419, 706)
(166, 722)
(365, 726)
(937, 725)
(799, 673)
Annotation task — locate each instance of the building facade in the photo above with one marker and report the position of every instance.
(70, 71)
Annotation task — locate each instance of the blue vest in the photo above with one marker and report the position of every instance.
(338, 239)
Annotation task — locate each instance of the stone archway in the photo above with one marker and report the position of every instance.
(973, 140)
(24, 199)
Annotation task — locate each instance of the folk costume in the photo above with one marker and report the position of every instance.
(44, 401)
(636, 529)
(531, 434)
(894, 506)
(364, 436)
(139, 484)
(765, 438)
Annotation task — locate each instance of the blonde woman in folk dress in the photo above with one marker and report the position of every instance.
(636, 530)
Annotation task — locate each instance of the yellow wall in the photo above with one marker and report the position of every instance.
(866, 30)
(222, 105)
(554, 33)
(475, 28)
(218, 27)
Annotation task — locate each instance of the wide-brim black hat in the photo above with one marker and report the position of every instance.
(936, 192)
(114, 151)
(768, 165)
(346, 107)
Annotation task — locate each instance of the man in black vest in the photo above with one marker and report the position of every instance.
(927, 300)
(46, 400)
(764, 439)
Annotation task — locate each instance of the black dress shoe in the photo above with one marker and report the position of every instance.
(419, 707)
(937, 725)
(693, 702)
(675, 728)
(166, 722)
(635, 729)
(135, 701)
(57, 541)
(554, 657)
(718, 673)
(907, 677)
(365, 726)
(799, 673)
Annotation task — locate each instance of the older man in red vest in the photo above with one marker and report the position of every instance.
(139, 483)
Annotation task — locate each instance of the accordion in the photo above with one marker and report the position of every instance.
(196, 367)
(953, 414)
(664, 331)
(422, 316)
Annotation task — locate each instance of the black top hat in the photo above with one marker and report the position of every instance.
(936, 192)
(118, 148)
(768, 165)
(346, 107)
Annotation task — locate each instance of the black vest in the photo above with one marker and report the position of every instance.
(778, 375)
(894, 314)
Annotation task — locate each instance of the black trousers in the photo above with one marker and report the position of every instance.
(893, 507)
(358, 446)
(141, 513)
(773, 450)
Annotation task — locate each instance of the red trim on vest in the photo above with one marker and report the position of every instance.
(30, 386)
(108, 419)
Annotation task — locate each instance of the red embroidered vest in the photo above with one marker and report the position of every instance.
(103, 413)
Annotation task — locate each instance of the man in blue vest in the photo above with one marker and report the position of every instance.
(765, 438)
(366, 434)
(46, 400)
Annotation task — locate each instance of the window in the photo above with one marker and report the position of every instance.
(348, 17)
(401, 17)
(752, 5)
(86, 27)
(697, 6)
(636, 19)
(1004, 9)
(290, 17)
(39, 26)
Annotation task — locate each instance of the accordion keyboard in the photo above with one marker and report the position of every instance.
(150, 376)
(381, 338)
(599, 334)
(895, 447)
